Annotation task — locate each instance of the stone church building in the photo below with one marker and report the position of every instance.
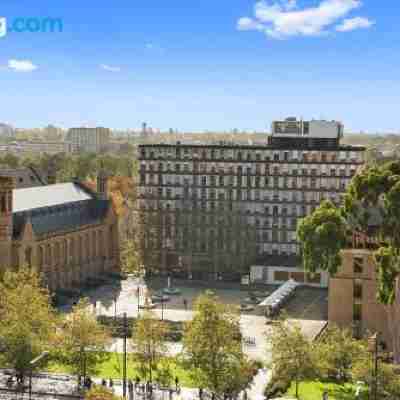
(65, 230)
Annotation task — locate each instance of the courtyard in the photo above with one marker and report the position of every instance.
(308, 307)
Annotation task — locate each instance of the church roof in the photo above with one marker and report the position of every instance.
(24, 177)
(48, 196)
(55, 208)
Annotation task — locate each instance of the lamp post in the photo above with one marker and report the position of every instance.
(138, 300)
(373, 347)
(124, 365)
(162, 307)
(32, 364)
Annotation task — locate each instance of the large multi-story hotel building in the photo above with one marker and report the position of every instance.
(214, 211)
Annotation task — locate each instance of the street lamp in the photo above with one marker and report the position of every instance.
(162, 307)
(125, 326)
(374, 349)
(32, 364)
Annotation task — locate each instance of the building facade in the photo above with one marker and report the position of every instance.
(36, 147)
(218, 209)
(66, 231)
(89, 140)
(353, 294)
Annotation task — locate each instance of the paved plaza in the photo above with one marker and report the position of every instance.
(308, 308)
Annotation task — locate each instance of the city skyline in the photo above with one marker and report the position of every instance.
(205, 66)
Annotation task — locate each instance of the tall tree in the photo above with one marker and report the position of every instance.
(27, 320)
(338, 352)
(372, 208)
(82, 341)
(322, 235)
(131, 259)
(294, 356)
(149, 338)
(213, 348)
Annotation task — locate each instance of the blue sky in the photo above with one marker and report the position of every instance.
(203, 64)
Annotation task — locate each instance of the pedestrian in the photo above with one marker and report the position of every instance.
(245, 395)
(103, 382)
(137, 381)
(89, 383)
(325, 395)
(185, 304)
(111, 383)
(212, 396)
(176, 383)
(201, 393)
(170, 394)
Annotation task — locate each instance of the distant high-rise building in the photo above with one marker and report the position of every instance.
(144, 130)
(6, 131)
(90, 140)
(219, 209)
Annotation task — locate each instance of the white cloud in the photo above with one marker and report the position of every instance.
(283, 19)
(350, 24)
(248, 24)
(21, 65)
(110, 68)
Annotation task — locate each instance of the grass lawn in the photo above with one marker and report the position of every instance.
(113, 366)
(314, 391)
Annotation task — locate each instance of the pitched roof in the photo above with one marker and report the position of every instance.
(24, 177)
(48, 196)
(54, 208)
(64, 217)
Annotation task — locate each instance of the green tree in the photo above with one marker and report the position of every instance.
(213, 348)
(388, 382)
(82, 340)
(372, 208)
(100, 393)
(27, 319)
(149, 341)
(131, 257)
(338, 350)
(322, 235)
(294, 356)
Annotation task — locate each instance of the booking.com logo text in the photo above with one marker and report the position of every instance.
(30, 25)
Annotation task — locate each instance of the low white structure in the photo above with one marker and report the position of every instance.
(278, 274)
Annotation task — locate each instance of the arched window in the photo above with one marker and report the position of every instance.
(40, 256)
(48, 254)
(94, 244)
(28, 256)
(57, 253)
(72, 250)
(65, 251)
(3, 204)
(101, 244)
(88, 248)
(80, 249)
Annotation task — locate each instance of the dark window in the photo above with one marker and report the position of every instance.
(358, 263)
(357, 290)
(357, 312)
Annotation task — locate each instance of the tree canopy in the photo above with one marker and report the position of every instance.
(323, 235)
(372, 208)
(82, 340)
(213, 348)
(27, 320)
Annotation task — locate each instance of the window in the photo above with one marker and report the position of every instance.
(358, 263)
(357, 289)
(357, 314)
